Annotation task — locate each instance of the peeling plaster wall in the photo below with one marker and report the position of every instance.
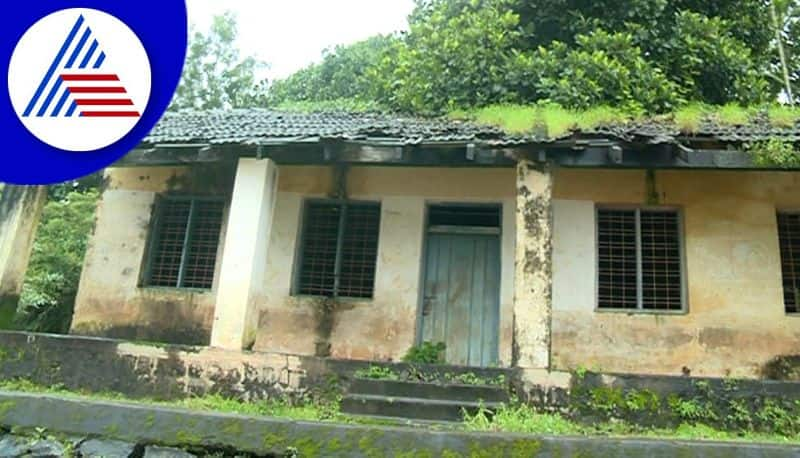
(735, 321)
(110, 301)
(385, 327)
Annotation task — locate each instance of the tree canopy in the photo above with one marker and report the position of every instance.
(645, 55)
(214, 74)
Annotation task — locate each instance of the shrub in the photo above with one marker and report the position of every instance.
(51, 282)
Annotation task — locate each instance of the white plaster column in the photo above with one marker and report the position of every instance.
(20, 209)
(533, 266)
(244, 257)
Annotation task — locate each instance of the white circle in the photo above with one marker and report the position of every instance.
(37, 52)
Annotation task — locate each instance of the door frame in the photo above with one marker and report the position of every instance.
(477, 231)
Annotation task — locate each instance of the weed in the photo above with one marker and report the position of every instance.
(377, 373)
(426, 353)
(773, 153)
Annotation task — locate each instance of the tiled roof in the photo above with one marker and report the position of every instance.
(262, 126)
(251, 126)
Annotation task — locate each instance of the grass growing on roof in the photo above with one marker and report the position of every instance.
(689, 118)
(550, 120)
(783, 115)
(733, 114)
(346, 105)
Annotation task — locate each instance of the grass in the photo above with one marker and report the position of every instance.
(554, 121)
(347, 105)
(526, 420)
(510, 418)
(783, 116)
(548, 120)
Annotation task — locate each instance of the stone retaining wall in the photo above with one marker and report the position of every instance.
(178, 427)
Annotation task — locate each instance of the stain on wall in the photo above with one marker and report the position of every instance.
(384, 327)
(735, 321)
(110, 300)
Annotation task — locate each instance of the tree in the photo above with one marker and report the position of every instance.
(343, 73)
(51, 282)
(643, 54)
(214, 75)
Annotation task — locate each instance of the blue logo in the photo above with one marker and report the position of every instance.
(85, 84)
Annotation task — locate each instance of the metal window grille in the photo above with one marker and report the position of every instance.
(339, 249)
(185, 241)
(639, 259)
(789, 239)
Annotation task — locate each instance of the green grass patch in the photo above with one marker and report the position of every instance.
(527, 420)
(690, 117)
(515, 418)
(783, 115)
(733, 114)
(346, 105)
(549, 120)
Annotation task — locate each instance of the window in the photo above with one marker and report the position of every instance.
(183, 248)
(789, 239)
(639, 259)
(339, 248)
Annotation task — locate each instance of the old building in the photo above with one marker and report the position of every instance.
(635, 249)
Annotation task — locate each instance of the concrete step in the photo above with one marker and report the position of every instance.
(432, 391)
(412, 408)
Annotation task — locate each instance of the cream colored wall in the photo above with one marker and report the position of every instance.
(735, 321)
(110, 301)
(384, 327)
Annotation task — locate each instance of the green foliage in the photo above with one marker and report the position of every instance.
(548, 120)
(774, 153)
(352, 105)
(689, 117)
(215, 75)
(643, 55)
(343, 74)
(600, 68)
(426, 353)
(377, 373)
(783, 116)
(733, 114)
(51, 282)
(471, 378)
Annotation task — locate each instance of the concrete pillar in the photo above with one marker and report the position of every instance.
(20, 209)
(244, 257)
(533, 266)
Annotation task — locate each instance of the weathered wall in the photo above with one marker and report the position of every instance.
(162, 372)
(735, 321)
(110, 301)
(20, 209)
(385, 327)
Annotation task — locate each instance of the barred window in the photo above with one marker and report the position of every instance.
(789, 239)
(339, 249)
(184, 242)
(639, 259)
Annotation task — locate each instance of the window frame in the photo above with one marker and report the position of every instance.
(778, 212)
(639, 310)
(154, 237)
(298, 258)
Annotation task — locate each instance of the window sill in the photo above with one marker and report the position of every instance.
(643, 311)
(340, 298)
(173, 290)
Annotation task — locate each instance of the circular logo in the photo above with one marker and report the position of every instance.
(85, 84)
(79, 79)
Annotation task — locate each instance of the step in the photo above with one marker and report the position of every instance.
(412, 408)
(432, 391)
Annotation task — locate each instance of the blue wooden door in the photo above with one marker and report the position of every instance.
(460, 306)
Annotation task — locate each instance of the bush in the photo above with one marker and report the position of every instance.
(51, 282)
(426, 353)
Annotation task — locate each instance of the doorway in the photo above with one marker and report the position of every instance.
(461, 292)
